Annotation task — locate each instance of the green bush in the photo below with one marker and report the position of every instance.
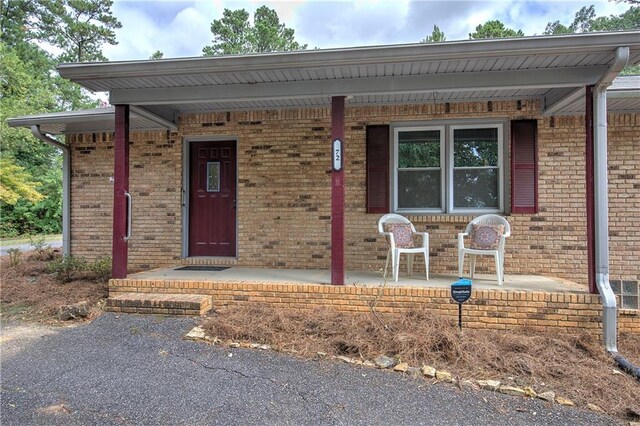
(101, 268)
(67, 268)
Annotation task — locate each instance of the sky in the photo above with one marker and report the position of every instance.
(181, 28)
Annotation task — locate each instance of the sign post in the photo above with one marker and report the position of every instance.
(461, 292)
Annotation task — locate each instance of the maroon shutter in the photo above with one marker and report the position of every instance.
(524, 166)
(378, 169)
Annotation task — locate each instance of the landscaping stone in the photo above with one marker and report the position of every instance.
(321, 354)
(265, 347)
(512, 390)
(346, 359)
(77, 310)
(428, 371)
(549, 396)
(444, 376)
(564, 401)
(413, 370)
(385, 362)
(491, 385)
(196, 333)
(594, 407)
(402, 367)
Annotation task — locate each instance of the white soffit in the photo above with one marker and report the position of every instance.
(460, 70)
(91, 121)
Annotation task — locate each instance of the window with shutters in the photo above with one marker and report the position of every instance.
(448, 169)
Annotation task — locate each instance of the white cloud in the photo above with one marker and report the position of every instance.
(182, 28)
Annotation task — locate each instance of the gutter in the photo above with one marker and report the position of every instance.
(609, 305)
(345, 57)
(66, 186)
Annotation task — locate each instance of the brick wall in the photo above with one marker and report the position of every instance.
(494, 309)
(284, 191)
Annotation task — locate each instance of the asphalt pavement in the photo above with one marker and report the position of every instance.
(4, 250)
(138, 370)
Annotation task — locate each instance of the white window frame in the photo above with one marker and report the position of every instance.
(396, 169)
(450, 168)
(446, 163)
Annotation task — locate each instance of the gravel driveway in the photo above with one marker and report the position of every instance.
(130, 369)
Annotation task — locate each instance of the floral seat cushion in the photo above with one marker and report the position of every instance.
(486, 237)
(402, 234)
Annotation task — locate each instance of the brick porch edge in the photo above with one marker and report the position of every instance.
(493, 309)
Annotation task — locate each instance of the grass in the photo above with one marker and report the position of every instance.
(27, 239)
(572, 365)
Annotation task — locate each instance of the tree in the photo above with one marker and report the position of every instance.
(585, 21)
(156, 55)
(494, 29)
(436, 36)
(581, 23)
(234, 34)
(15, 183)
(30, 85)
(80, 28)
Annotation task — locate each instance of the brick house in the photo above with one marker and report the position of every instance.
(227, 160)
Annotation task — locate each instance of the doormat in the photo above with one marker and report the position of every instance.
(202, 268)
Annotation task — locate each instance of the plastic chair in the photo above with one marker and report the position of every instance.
(497, 252)
(400, 233)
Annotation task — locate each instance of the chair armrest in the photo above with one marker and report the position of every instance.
(425, 237)
(461, 236)
(389, 237)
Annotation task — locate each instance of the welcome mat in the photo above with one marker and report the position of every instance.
(202, 268)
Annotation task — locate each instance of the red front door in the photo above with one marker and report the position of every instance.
(212, 199)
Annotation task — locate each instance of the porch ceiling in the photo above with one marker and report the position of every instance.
(552, 69)
(90, 120)
(544, 67)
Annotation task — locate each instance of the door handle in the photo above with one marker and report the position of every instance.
(128, 197)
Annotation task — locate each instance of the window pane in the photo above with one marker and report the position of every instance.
(475, 147)
(213, 176)
(419, 149)
(419, 189)
(475, 188)
(630, 302)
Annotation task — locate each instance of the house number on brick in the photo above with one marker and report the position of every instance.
(337, 155)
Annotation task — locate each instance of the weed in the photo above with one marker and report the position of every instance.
(101, 268)
(15, 255)
(43, 249)
(66, 268)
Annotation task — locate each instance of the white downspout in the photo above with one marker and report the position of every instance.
(66, 187)
(609, 315)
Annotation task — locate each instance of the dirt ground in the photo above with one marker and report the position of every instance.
(29, 291)
(574, 366)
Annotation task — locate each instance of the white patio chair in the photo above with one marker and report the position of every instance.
(488, 234)
(400, 234)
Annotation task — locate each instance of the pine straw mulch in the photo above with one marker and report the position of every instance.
(572, 365)
(29, 292)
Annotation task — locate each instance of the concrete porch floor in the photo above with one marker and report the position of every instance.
(361, 278)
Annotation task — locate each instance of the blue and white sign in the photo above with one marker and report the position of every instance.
(461, 290)
(336, 155)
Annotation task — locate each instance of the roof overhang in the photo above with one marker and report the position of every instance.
(91, 120)
(551, 69)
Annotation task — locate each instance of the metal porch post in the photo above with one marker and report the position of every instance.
(590, 189)
(337, 192)
(120, 192)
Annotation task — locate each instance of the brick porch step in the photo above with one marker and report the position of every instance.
(160, 303)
